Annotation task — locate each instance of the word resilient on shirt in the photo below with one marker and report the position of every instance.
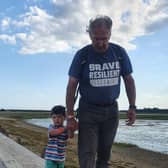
(106, 74)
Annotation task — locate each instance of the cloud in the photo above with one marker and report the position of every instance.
(157, 16)
(8, 39)
(62, 27)
(5, 23)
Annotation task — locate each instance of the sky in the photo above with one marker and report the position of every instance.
(38, 40)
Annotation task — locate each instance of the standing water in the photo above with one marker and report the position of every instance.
(147, 134)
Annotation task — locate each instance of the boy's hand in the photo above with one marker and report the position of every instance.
(57, 131)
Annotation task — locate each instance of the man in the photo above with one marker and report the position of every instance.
(97, 69)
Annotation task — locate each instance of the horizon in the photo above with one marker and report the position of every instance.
(138, 109)
(38, 40)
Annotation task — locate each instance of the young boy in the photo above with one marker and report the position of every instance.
(57, 136)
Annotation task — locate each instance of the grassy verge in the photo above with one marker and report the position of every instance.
(24, 115)
(34, 114)
(147, 116)
(32, 137)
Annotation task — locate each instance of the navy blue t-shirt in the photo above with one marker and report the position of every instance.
(99, 73)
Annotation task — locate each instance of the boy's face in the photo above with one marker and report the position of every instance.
(57, 119)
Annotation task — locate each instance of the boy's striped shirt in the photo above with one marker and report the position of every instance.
(55, 149)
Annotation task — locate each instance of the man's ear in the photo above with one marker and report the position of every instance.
(109, 35)
(90, 35)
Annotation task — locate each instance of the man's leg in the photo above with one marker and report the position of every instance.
(107, 134)
(87, 145)
(87, 138)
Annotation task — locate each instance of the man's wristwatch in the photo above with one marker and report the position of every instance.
(131, 106)
(70, 116)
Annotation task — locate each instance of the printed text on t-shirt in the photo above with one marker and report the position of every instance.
(106, 74)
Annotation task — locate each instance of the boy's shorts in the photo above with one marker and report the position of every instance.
(53, 164)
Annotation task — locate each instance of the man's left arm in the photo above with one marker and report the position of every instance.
(131, 95)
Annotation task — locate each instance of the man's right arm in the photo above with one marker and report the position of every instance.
(72, 124)
(70, 95)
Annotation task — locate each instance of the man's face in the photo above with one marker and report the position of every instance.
(100, 38)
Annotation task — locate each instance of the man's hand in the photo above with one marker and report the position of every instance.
(131, 115)
(72, 124)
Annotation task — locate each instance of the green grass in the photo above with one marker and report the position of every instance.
(45, 114)
(28, 114)
(147, 116)
(24, 115)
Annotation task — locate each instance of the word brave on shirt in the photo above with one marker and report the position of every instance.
(106, 74)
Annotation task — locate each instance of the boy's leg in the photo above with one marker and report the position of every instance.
(50, 164)
(60, 165)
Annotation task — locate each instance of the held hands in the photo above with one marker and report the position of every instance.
(131, 115)
(72, 126)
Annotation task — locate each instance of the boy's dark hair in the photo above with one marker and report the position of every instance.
(58, 109)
